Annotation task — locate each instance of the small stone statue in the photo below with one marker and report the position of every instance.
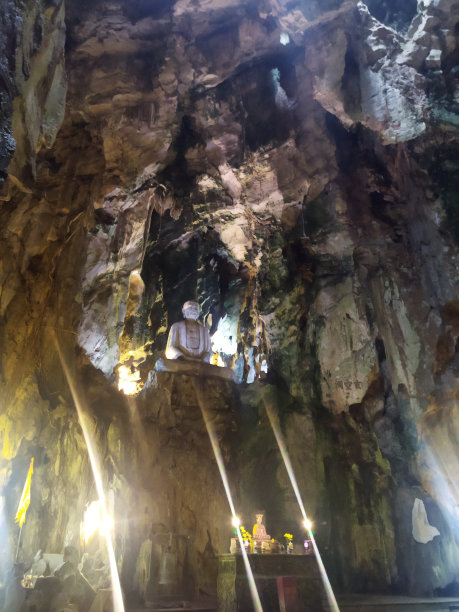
(189, 339)
(423, 531)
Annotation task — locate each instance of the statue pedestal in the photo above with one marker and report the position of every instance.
(193, 368)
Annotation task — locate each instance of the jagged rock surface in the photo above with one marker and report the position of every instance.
(294, 167)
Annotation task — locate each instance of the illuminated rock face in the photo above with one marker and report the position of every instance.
(293, 170)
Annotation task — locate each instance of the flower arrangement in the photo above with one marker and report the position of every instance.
(288, 541)
(246, 538)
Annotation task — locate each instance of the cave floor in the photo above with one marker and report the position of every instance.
(191, 607)
(383, 603)
(353, 603)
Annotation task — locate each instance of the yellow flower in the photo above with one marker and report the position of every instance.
(289, 536)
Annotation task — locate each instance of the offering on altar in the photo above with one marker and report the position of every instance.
(275, 546)
(266, 546)
(235, 546)
(307, 544)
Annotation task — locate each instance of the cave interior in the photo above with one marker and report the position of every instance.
(293, 167)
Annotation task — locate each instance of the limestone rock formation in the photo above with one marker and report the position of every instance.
(293, 167)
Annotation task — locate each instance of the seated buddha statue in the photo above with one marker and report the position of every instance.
(259, 530)
(188, 339)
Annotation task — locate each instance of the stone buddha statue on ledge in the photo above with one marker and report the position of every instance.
(188, 339)
(189, 348)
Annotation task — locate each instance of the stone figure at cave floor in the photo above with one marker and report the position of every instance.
(188, 339)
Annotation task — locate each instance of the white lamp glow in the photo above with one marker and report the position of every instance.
(236, 522)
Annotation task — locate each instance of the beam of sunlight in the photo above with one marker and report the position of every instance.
(441, 483)
(307, 523)
(438, 461)
(118, 605)
(221, 466)
(6, 558)
(136, 424)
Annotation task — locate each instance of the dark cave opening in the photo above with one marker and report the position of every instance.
(266, 94)
(350, 83)
(397, 15)
(443, 166)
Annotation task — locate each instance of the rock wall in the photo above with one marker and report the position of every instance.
(293, 167)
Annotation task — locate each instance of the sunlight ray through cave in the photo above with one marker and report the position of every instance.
(273, 419)
(118, 604)
(221, 467)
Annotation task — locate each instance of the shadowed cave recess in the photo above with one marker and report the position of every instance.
(291, 165)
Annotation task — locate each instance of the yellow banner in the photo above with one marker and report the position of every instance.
(25, 498)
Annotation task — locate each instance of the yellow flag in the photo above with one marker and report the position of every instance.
(25, 497)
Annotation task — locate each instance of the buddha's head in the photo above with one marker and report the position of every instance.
(259, 517)
(190, 310)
